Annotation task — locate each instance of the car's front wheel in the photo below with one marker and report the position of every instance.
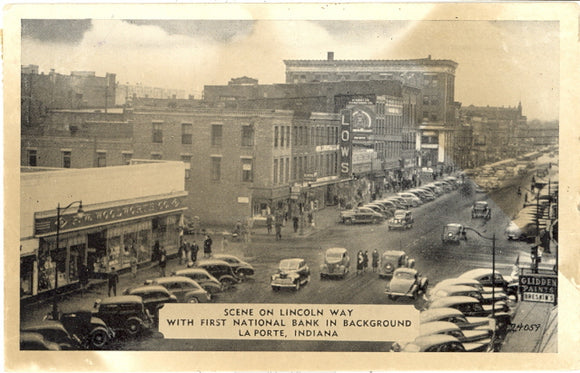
(193, 300)
(133, 327)
(98, 339)
(276, 288)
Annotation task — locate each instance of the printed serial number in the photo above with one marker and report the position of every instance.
(523, 327)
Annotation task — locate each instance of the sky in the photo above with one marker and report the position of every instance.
(500, 62)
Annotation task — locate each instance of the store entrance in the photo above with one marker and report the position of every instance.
(97, 254)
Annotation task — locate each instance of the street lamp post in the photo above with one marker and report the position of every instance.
(80, 214)
(492, 239)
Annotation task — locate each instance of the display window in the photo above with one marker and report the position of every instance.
(27, 268)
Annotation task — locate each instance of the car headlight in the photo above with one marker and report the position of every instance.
(273, 277)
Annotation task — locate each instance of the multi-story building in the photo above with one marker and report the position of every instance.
(80, 89)
(128, 92)
(435, 79)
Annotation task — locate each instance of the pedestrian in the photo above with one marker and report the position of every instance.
(155, 254)
(133, 262)
(365, 261)
(295, 223)
(525, 198)
(225, 243)
(269, 222)
(83, 277)
(181, 252)
(207, 246)
(194, 251)
(113, 280)
(162, 262)
(278, 229)
(375, 260)
(359, 263)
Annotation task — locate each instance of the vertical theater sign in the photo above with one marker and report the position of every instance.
(345, 144)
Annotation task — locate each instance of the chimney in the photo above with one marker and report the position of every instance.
(330, 56)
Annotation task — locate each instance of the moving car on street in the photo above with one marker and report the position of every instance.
(393, 259)
(336, 263)
(481, 209)
(403, 219)
(406, 282)
(292, 273)
(453, 233)
(361, 215)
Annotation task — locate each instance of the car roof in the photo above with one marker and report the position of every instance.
(190, 271)
(122, 299)
(218, 256)
(401, 211)
(147, 289)
(478, 272)
(407, 270)
(482, 203)
(457, 281)
(454, 225)
(393, 253)
(46, 324)
(336, 250)
(211, 262)
(431, 340)
(291, 260)
(436, 327)
(449, 301)
(433, 314)
(455, 288)
(163, 280)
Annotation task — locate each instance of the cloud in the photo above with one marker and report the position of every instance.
(56, 30)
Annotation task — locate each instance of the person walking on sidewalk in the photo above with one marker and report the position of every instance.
(278, 229)
(359, 263)
(295, 223)
(162, 262)
(133, 261)
(207, 246)
(365, 261)
(113, 280)
(194, 251)
(269, 223)
(375, 258)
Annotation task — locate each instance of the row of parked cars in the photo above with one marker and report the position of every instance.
(469, 313)
(136, 311)
(395, 208)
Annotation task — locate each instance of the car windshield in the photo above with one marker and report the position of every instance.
(334, 255)
(404, 276)
(390, 258)
(288, 265)
(399, 214)
(481, 205)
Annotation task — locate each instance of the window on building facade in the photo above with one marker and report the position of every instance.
(287, 136)
(187, 133)
(287, 170)
(294, 168)
(32, 157)
(425, 100)
(247, 135)
(275, 136)
(281, 176)
(275, 179)
(158, 132)
(216, 134)
(247, 172)
(127, 158)
(66, 159)
(282, 135)
(187, 160)
(433, 117)
(425, 115)
(101, 159)
(156, 156)
(216, 168)
(434, 100)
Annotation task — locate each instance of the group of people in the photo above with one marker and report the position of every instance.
(362, 261)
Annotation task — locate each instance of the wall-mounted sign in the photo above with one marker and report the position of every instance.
(345, 144)
(361, 121)
(70, 221)
(539, 288)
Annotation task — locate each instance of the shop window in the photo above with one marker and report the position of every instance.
(247, 135)
(32, 157)
(127, 158)
(247, 172)
(186, 133)
(187, 160)
(66, 159)
(156, 156)
(101, 159)
(26, 275)
(216, 163)
(157, 132)
(216, 134)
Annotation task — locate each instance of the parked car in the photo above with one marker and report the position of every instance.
(241, 268)
(125, 314)
(463, 290)
(486, 291)
(208, 282)
(423, 195)
(431, 343)
(380, 209)
(389, 205)
(483, 338)
(83, 326)
(467, 305)
(336, 263)
(411, 199)
(185, 289)
(406, 282)
(403, 219)
(292, 273)
(484, 276)
(453, 233)
(481, 209)
(154, 297)
(30, 341)
(54, 331)
(220, 270)
(361, 215)
(393, 259)
(457, 317)
(402, 202)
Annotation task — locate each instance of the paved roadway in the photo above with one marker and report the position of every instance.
(423, 242)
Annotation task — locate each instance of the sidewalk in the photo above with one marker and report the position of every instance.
(527, 316)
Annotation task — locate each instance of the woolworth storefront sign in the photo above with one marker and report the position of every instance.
(43, 226)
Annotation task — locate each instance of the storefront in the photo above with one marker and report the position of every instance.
(108, 236)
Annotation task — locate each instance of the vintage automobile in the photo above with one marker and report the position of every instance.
(483, 336)
(292, 273)
(406, 282)
(481, 209)
(485, 291)
(124, 314)
(89, 331)
(336, 263)
(154, 297)
(457, 317)
(403, 219)
(220, 270)
(431, 343)
(30, 341)
(411, 199)
(393, 259)
(390, 206)
(469, 306)
(54, 331)
(379, 208)
(453, 233)
(484, 276)
(361, 215)
(185, 289)
(241, 268)
(464, 290)
(208, 282)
